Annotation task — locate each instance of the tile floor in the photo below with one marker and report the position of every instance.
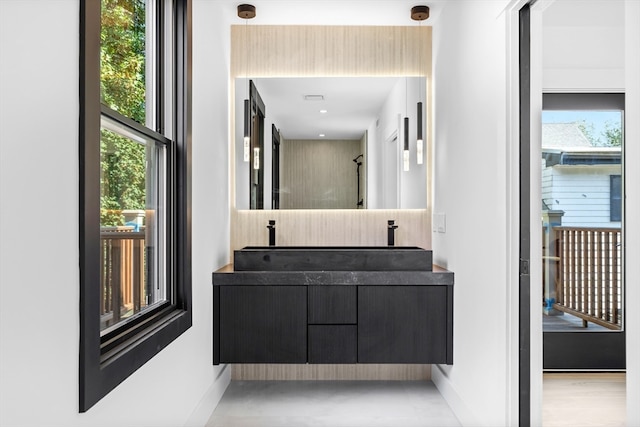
(332, 403)
(569, 400)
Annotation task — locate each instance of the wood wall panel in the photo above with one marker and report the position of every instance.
(330, 228)
(281, 51)
(316, 50)
(330, 372)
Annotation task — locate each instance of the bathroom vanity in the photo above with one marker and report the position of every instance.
(332, 305)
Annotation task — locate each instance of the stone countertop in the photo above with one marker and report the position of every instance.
(226, 276)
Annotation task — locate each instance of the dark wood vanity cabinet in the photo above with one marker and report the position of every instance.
(332, 323)
(262, 324)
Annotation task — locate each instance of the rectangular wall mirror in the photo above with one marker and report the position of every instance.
(329, 143)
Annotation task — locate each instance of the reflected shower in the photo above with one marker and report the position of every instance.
(359, 201)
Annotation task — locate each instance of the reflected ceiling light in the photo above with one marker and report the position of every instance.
(321, 135)
(419, 13)
(323, 111)
(246, 12)
(314, 97)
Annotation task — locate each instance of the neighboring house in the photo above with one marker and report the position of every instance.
(581, 180)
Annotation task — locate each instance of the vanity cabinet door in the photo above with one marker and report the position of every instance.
(403, 324)
(263, 324)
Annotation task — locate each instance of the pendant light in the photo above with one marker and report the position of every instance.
(405, 152)
(419, 13)
(247, 129)
(246, 12)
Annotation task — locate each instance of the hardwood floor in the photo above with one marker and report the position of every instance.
(583, 399)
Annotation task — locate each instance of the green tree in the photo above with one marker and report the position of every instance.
(122, 86)
(611, 136)
(588, 129)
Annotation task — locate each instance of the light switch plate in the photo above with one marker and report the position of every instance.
(439, 223)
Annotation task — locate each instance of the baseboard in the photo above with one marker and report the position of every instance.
(451, 395)
(210, 400)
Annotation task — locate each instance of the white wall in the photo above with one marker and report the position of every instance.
(39, 284)
(470, 188)
(410, 186)
(632, 206)
(583, 46)
(373, 167)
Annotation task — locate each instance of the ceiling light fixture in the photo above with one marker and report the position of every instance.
(246, 12)
(419, 13)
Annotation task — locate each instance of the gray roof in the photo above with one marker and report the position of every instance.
(563, 135)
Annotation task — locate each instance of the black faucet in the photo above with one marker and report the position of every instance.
(391, 231)
(272, 232)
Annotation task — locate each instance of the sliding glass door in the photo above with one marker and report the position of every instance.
(582, 223)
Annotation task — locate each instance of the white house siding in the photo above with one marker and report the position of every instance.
(582, 192)
(547, 183)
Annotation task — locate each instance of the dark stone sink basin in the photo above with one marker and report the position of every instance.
(332, 258)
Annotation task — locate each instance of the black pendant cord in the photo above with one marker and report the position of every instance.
(419, 116)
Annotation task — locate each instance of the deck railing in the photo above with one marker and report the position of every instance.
(122, 273)
(589, 279)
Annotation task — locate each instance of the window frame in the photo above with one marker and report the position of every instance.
(104, 362)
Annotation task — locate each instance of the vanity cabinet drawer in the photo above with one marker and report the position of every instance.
(333, 344)
(329, 304)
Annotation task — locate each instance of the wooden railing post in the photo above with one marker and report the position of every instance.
(116, 280)
(592, 273)
(559, 241)
(614, 278)
(137, 270)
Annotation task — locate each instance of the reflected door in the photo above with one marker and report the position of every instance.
(256, 168)
(582, 222)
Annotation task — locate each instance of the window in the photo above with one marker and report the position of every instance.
(615, 197)
(135, 233)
